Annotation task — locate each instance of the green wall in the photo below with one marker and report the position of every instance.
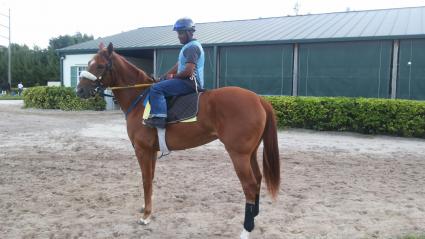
(165, 59)
(353, 69)
(266, 70)
(411, 77)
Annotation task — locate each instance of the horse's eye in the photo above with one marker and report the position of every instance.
(100, 67)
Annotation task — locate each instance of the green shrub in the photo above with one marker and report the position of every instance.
(369, 116)
(63, 98)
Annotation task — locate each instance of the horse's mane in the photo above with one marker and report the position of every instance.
(133, 67)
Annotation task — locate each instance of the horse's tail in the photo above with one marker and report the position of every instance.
(271, 164)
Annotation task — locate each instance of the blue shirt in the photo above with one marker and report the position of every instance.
(192, 52)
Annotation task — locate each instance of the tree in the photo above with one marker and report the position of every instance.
(67, 40)
(37, 66)
(53, 60)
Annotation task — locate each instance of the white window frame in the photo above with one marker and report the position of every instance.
(80, 68)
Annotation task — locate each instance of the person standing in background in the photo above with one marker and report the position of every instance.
(20, 88)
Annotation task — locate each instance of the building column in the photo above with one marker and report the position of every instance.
(394, 74)
(61, 69)
(154, 64)
(216, 70)
(295, 71)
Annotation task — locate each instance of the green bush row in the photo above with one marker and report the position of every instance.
(63, 98)
(368, 116)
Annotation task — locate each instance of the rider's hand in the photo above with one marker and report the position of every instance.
(161, 78)
(170, 76)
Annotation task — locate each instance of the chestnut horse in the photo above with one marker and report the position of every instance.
(239, 118)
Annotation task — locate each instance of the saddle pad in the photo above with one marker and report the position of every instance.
(179, 109)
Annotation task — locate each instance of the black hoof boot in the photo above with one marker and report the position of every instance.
(249, 217)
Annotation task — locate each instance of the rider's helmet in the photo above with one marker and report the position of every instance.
(184, 24)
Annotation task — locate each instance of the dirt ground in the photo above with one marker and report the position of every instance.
(75, 175)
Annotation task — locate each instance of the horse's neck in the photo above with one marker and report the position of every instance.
(125, 98)
(127, 74)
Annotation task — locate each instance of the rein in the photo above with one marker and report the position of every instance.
(99, 86)
(128, 87)
(134, 103)
(99, 89)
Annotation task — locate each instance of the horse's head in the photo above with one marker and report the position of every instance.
(99, 73)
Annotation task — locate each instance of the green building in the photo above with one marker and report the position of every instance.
(376, 53)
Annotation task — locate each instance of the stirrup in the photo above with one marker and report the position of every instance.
(162, 144)
(155, 122)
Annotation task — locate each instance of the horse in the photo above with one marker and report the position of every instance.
(239, 118)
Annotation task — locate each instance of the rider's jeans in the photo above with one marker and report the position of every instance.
(166, 88)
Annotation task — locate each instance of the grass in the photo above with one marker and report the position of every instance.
(10, 97)
(413, 237)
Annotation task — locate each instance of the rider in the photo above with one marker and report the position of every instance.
(185, 77)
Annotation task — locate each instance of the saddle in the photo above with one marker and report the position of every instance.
(183, 108)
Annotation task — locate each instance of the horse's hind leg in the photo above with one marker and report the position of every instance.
(258, 177)
(246, 176)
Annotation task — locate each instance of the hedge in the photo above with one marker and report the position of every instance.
(368, 116)
(63, 98)
(363, 115)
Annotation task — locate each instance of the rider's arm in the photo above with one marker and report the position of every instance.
(189, 68)
(191, 54)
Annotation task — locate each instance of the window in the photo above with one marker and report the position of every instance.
(75, 74)
(80, 69)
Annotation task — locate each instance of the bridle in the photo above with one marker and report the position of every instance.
(99, 85)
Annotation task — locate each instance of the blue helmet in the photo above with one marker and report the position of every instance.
(184, 24)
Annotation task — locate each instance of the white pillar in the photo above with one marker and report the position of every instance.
(394, 75)
(154, 63)
(295, 71)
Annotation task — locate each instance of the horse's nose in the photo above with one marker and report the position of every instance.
(80, 92)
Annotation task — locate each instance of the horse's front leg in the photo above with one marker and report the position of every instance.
(147, 159)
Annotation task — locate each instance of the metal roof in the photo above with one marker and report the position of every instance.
(355, 25)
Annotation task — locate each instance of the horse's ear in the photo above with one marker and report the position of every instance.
(110, 48)
(101, 46)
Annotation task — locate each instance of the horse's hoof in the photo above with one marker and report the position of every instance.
(142, 221)
(245, 234)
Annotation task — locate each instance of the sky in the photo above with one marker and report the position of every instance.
(35, 22)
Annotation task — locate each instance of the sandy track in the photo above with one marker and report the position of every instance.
(74, 175)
